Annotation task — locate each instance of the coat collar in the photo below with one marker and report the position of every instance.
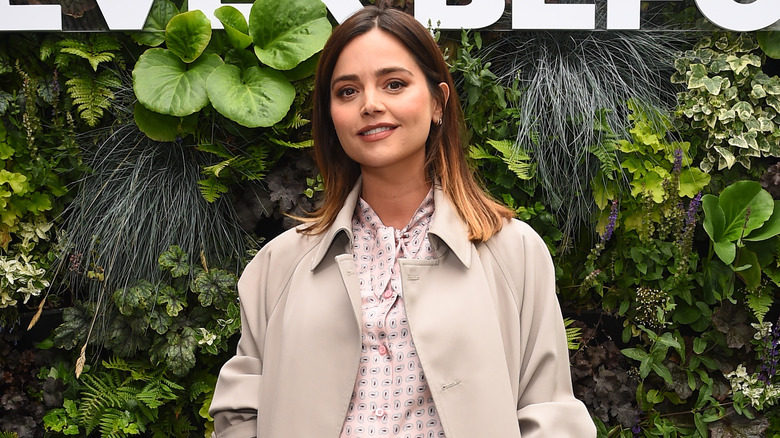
(447, 229)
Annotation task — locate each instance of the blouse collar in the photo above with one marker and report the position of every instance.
(447, 230)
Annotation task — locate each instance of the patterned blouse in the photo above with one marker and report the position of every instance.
(391, 397)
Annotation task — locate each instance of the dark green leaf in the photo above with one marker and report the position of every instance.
(216, 287)
(176, 261)
(174, 300)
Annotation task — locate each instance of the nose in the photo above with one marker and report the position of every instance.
(372, 103)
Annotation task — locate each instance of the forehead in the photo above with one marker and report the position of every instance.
(373, 51)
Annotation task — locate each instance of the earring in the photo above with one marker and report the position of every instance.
(440, 122)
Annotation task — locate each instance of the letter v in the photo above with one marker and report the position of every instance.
(124, 14)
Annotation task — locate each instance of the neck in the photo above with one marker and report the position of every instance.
(394, 199)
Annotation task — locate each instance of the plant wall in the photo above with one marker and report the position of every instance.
(139, 173)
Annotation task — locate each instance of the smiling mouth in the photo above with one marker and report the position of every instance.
(376, 130)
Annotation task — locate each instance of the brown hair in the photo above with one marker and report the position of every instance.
(445, 147)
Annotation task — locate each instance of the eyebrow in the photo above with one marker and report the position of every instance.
(379, 73)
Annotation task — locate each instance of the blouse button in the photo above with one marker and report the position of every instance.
(382, 349)
(388, 293)
(380, 412)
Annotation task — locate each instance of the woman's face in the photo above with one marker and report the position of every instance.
(381, 106)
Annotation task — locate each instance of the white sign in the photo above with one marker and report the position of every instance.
(526, 14)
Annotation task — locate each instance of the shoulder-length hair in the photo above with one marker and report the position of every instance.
(445, 149)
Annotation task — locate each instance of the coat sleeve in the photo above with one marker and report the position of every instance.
(546, 406)
(235, 402)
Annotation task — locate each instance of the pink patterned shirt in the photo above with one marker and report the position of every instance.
(391, 396)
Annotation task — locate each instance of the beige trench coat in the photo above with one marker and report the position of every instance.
(484, 318)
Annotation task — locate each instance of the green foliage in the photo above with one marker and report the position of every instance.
(86, 62)
(649, 161)
(179, 323)
(185, 316)
(743, 212)
(572, 83)
(180, 80)
(38, 158)
(492, 112)
(770, 43)
(730, 104)
(123, 398)
(93, 95)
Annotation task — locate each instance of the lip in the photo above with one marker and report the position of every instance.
(376, 132)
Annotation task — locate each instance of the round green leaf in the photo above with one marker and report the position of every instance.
(165, 84)
(235, 26)
(188, 34)
(770, 43)
(253, 98)
(154, 29)
(158, 127)
(745, 205)
(288, 32)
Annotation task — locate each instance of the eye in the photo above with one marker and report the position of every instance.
(396, 85)
(346, 92)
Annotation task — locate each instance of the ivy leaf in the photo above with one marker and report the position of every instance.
(174, 300)
(176, 350)
(188, 34)
(285, 33)
(176, 261)
(216, 287)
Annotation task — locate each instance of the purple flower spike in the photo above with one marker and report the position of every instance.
(611, 224)
(693, 208)
(678, 157)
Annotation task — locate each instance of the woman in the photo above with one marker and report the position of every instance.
(410, 304)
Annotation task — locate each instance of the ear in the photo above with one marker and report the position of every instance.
(438, 109)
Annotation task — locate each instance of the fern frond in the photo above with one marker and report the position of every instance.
(516, 159)
(219, 167)
(759, 302)
(297, 145)
(97, 49)
(477, 152)
(211, 189)
(606, 154)
(93, 95)
(573, 334)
